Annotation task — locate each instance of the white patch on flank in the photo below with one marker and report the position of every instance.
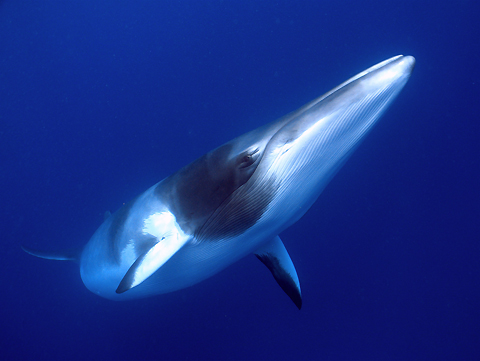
(170, 238)
(160, 225)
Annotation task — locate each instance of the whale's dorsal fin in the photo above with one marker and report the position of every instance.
(66, 255)
(274, 255)
(107, 215)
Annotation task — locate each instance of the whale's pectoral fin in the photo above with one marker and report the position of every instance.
(274, 255)
(152, 260)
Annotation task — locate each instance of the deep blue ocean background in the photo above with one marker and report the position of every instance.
(101, 99)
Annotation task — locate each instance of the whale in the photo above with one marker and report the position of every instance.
(235, 200)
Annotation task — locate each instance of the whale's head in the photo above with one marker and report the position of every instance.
(291, 160)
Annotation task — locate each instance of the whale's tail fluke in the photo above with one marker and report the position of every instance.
(65, 255)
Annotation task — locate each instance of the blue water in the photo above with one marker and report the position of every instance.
(101, 99)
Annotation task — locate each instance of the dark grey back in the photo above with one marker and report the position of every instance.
(194, 192)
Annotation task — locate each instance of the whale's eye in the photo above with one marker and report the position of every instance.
(248, 158)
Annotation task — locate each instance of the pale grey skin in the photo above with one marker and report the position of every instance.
(235, 200)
